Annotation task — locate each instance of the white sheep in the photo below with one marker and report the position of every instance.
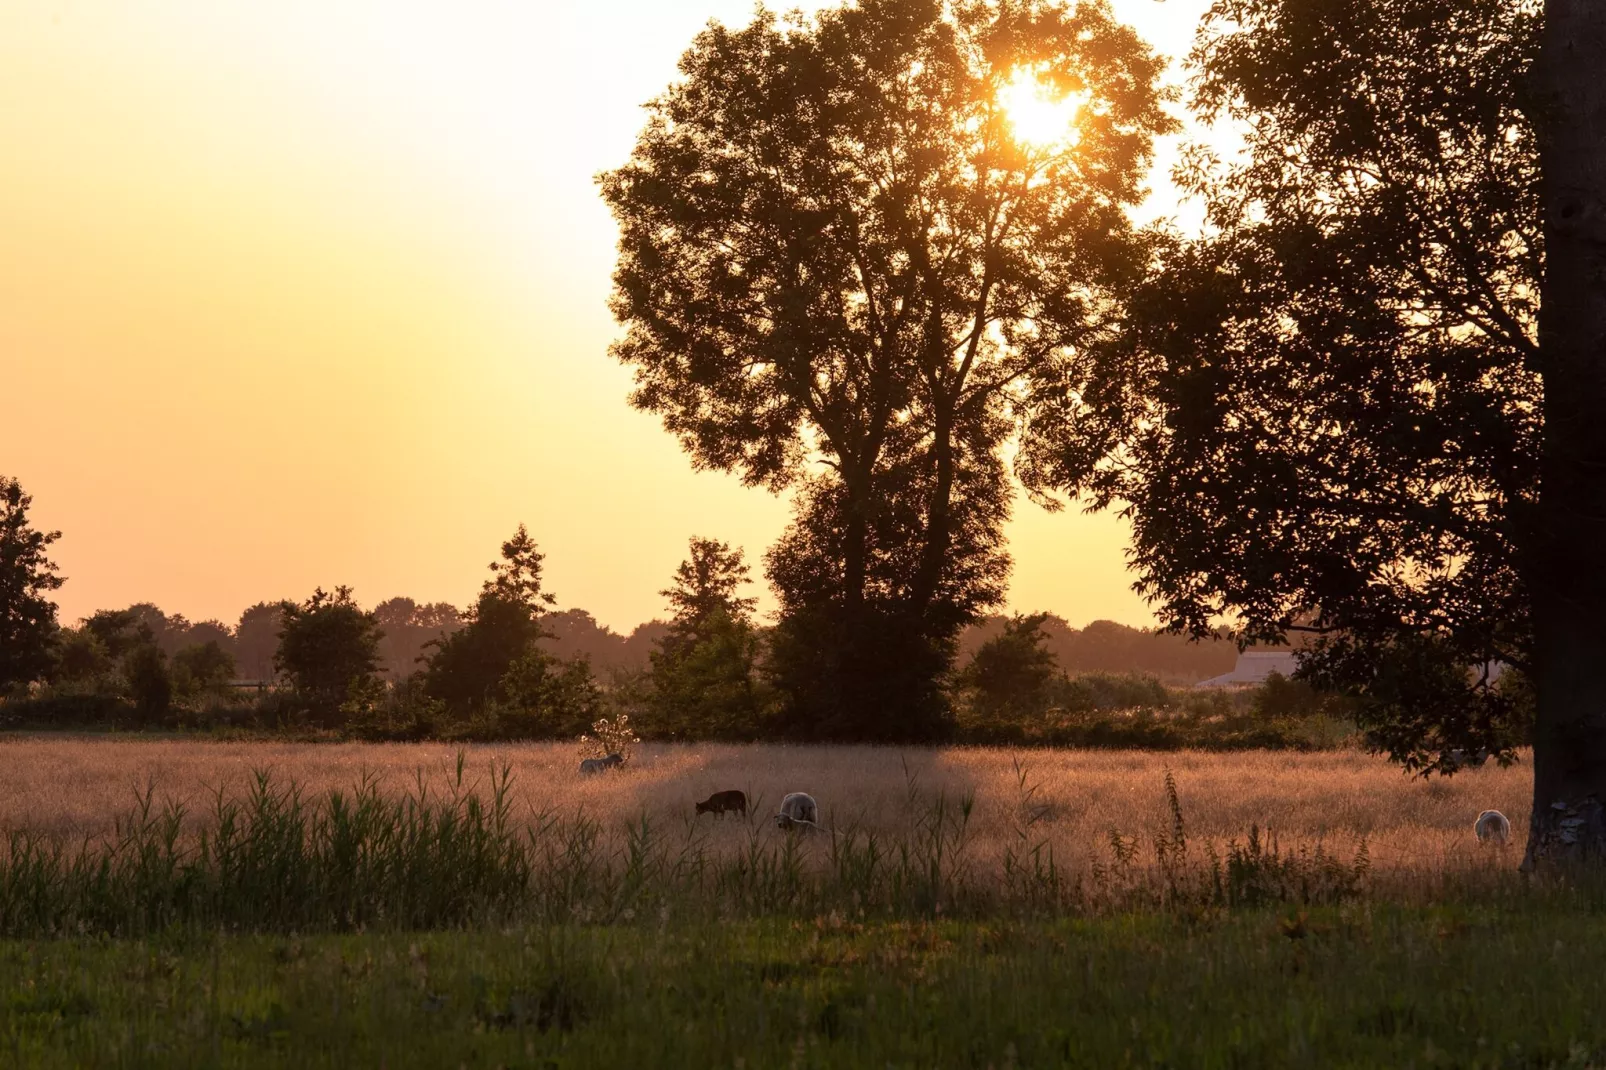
(1492, 825)
(601, 765)
(798, 808)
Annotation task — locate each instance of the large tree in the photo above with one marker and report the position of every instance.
(27, 576)
(1567, 571)
(1340, 411)
(839, 255)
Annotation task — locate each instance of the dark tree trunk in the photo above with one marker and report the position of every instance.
(854, 536)
(1568, 574)
(934, 554)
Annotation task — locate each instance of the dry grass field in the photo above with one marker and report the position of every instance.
(1416, 830)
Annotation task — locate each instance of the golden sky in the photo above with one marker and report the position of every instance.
(313, 292)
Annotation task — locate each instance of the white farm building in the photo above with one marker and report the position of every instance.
(1253, 667)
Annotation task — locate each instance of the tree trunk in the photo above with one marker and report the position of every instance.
(1568, 575)
(934, 554)
(854, 536)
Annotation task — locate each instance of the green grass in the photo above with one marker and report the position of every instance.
(430, 929)
(1345, 986)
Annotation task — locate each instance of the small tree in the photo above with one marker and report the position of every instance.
(150, 684)
(79, 657)
(610, 736)
(702, 671)
(119, 631)
(1012, 674)
(327, 645)
(27, 575)
(202, 667)
(548, 698)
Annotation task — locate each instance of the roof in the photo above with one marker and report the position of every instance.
(1253, 667)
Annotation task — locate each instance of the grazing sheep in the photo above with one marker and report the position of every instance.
(798, 808)
(601, 765)
(723, 802)
(1492, 825)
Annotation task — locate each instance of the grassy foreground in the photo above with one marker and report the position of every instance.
(1355, 985)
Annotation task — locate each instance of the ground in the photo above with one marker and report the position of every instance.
(1418, 829)
(983, 908)
(1359, 986)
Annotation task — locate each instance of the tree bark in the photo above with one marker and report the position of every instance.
(1568, 570)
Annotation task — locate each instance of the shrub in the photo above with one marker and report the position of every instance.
(202, 667)
(609, 737)
(149, 683)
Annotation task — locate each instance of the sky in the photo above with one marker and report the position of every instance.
(314, 293)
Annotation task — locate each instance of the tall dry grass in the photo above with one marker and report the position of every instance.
(1066, 802)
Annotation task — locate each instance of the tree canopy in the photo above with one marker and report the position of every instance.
(327, 647)
(1325, 416)
(27, 576)
(843, 270)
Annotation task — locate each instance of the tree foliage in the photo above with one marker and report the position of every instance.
(1325, 417)
(27, 576)
(327, 647)
(492, 669)
(703, 679)
(1011, 674)
(837, 257)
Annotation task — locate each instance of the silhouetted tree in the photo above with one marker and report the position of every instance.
(202, 667)
(79, 656)
(836, 251)
(545, 697)
(1564, 566)
(327, 647)
(27, 576)
(467, 668)
(150, 684)
(1341, 410)
(1011, 676)
(119, 631)
(172, 633)
(702, 672)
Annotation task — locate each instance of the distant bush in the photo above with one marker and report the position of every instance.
(56, 710)
(150, 684)
(1121, 711)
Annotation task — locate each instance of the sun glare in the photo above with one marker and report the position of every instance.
(1037, 116)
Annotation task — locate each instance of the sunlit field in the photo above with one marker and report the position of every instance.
(1067, 800)
(508, 911)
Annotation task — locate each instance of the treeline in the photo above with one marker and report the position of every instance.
(513, 665)
(1107, 647)
(509, 666)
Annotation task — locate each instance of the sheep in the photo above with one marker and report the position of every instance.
(601, 765)
(722, 802)
(798, 808)
(1492, 825)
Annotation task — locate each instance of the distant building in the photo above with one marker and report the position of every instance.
(1253, 667)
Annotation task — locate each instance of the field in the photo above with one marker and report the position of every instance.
(595, 922)
(1071, 800)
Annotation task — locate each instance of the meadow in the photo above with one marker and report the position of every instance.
(173, 903)
(1415, 830)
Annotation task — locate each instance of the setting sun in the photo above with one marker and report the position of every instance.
(1037, 116)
